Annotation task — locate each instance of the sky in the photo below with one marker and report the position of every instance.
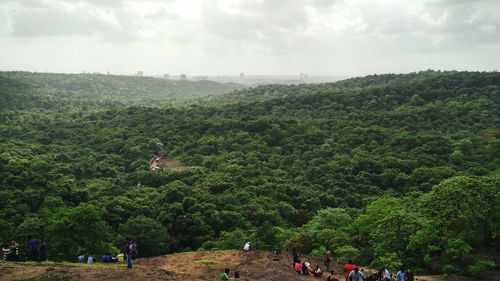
(226, 37)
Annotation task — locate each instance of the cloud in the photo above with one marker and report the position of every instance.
(276, 34)
(56, 22)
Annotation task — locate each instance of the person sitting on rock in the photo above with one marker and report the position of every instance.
(298, 267)
(225, 275)
(318, 272)
(310, 270)
(304, 268)
(91, 259)
(106, 258)
(331, 277)
(246, 247)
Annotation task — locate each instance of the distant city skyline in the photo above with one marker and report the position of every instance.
(260, 37)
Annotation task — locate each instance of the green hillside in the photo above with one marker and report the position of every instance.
(27, 90)
(389, 170)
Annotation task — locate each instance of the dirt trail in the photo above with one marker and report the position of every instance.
(164, 163)
(192, 266)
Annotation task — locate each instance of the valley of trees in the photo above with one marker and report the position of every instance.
(389, 170)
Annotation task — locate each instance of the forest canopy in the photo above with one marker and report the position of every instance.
(388, 170)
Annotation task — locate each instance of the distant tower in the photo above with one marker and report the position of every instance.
(303, 77)
(140, 73)
(242, 76)
(166, 76)
(183, 76)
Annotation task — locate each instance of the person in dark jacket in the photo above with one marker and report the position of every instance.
(42, 250)
(128, 252)
(409, 276)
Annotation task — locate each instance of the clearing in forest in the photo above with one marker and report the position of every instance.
(160, 162)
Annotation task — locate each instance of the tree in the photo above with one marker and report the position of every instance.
(79, 230)
(151, 237)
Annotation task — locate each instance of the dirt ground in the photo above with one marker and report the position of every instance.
(172, 165)
(193, 266)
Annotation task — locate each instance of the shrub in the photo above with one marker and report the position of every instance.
(450, 269)
(477, 269)
(346, 253)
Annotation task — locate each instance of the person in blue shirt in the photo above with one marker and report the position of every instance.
(33, 248)
(400, 276)
(106, 258)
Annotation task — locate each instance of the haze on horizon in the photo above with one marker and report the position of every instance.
(226, 37)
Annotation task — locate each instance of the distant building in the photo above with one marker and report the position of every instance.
(183, 76)
(140, 73)
(303, 77)
(166, 76)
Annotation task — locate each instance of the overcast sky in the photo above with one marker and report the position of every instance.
(317, 37)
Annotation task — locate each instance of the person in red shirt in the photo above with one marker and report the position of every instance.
(327, 258)
(348, 268)
(298, 267)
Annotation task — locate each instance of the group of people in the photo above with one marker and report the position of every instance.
(106, 258)
(130, 253)
(305, 268)
(36, 250)
(353, 273)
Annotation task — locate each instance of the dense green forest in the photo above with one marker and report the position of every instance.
(389, 170)
(63, 92)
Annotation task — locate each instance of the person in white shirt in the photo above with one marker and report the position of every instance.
(90, 259)
(387, 274)
(356, 275)
(246, 247)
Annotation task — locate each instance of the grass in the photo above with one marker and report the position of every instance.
(74, 264)
(257, 261)
(206, 262)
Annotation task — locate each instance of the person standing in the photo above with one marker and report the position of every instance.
(350, 266)
(295, 256)
(386, 274)
(5, 251)
(133, 250)
(32, 248)
(42, 250)
(14, 251)
(409, 276)
(355, 275)
(328, 254)
(128, 252)
(400, 276)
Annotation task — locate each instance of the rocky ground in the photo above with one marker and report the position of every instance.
(193, 266)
